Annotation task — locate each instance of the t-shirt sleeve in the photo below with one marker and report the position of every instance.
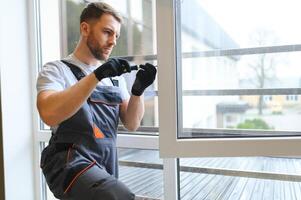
(50, 78)
(124, 92)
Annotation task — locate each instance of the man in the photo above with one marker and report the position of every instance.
(81, 102)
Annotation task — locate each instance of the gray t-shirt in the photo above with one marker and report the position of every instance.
(57, 76)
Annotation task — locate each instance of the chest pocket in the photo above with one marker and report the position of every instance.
(104, 103)
(109, 95)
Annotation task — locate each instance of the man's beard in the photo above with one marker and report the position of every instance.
(95, 48)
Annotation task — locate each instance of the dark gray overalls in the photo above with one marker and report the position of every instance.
(80, 162)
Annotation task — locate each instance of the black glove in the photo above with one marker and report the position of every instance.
(113, 67)
(144, 78)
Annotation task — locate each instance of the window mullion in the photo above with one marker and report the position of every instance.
(170, 178)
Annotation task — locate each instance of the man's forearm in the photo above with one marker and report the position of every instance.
(134, 113)
(135, 109)
(55, 107)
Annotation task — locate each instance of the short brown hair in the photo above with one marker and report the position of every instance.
(96, 9)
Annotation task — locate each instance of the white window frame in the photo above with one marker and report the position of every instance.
(172, 147)
(35, 61)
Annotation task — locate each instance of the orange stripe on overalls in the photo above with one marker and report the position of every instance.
(97, 132)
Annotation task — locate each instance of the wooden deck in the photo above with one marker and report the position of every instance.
(216, 182)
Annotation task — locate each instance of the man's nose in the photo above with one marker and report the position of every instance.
(113, 40)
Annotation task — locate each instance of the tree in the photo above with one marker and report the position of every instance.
(263, 65)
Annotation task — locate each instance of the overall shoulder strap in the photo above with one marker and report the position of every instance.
(77, 72)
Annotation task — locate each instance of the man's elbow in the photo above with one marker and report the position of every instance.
(50, 123)
(132, 126)
(48, 118)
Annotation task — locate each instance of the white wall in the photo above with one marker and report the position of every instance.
(16, 101)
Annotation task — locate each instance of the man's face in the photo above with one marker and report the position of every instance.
(102, 36)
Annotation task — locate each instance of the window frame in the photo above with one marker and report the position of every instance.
(42, 135)
(169, 145)
(35, 60)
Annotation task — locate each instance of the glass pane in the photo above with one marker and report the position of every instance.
(224, 93)
(137, 39)
(141, 171)
(50, 30)
(137, 35)
(252, 112)
(260, 71)
(251, 178)
(50, 35)
(232, 24)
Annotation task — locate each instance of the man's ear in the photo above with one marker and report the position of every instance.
(84, 29)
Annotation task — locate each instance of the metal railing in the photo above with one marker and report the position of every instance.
(219, 171)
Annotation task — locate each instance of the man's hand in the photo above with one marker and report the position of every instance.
(144, 78)
(113, 67)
